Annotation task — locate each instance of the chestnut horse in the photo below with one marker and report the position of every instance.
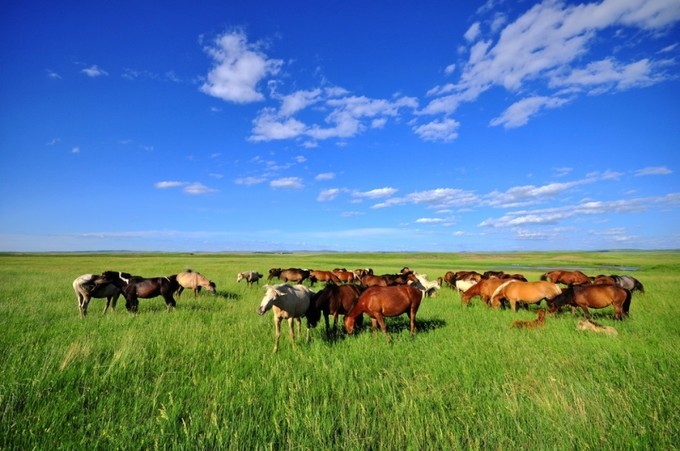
(566, 277)
(194, 280)
(515, 291)
(594, 296)
(335, 300)
(484, 289)
(378, 302)
(290, 302)
(322, 276)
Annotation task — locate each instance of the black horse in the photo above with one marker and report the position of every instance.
(135, 287)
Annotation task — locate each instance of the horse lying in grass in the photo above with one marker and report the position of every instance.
(195, 281)
(90, 286)
(291, 303)
(538, 322)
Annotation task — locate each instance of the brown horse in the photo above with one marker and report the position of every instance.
(594, 296)
(337, 300)
(628, 282)
(194, 280)
(515, 291)
(484, 289)
(134, 287)
(378, 302)
(538, 322)
(322, 276)
(566, 277)
(345, 276)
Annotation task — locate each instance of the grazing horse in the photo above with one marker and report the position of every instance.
(322, 276)
(296, 275)
(90, 286)
(345, 276)
(484, 289)
(290, 302)
(515, 291)
(566, 277)
(194, 280)
(134, 287)
(337, 300)
(594, 296)
(378, 302)
(250, 277)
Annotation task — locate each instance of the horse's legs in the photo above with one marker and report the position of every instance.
(586, 312)
(106, 306)
(513, 304)
(383, 326)
(179, 291)
(618, 312)
(412, 317)
(292, 331)
(83, 302)
(277, 332)
(299, 324)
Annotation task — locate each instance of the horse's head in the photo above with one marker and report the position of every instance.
(349, 323)
(239, 277)
(268, 300)
(211, 286)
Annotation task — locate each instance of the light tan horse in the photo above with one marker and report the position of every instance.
(194, 280)
(516, 291)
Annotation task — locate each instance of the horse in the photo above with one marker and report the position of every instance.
(430, 287)
(90, 286)
(337, 299)
(374, 281)
(291, 274)
(322, 276)
(290, 302)
(566, 277)
(628, 282)
(194, 280)
(515, 291)
(538, 322)
(484, 289)
(134, 287)
(345, 276)
(594, 296)
(378, 302)
(588, 325)
(250, 277)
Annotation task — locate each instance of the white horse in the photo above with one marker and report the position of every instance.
(86, 287)
(290, 302)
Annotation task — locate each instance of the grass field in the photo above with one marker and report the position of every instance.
(204, 376)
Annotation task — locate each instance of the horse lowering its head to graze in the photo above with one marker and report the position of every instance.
(337, 300)
(484, 289)
(628, 282)
(90, 286)
(134, 287)
(421, 282)
(594, 296)
(194, 280)
(515, 291)
(250, 277)
(291, 303)
(345, 276)
(296, 275)
(538, 322)
(379, 302)
(322, 276)
(566, 277)
(274, 272)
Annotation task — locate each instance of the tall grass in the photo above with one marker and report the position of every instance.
(204, 376)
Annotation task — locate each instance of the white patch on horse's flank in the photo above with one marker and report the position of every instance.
(120, 276)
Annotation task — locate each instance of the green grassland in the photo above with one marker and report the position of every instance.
(204, 376)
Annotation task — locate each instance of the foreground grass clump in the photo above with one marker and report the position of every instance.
(204, 376)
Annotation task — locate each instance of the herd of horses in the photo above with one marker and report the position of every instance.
(355, 293)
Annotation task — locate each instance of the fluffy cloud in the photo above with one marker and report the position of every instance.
(238, 68)
(287, 182)
(94, 71)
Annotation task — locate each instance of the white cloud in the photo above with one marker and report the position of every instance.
(53, 75)
(238, 68)
(198, 188)
(250, 180)
(94, 71)
(429, 220)
(518, 113)
(328, 195)
(473, 32)
(375, 193)
(75, 149)
(287, 182)
(653, 170)
(325, 176)
(169, 184)
(438, 130)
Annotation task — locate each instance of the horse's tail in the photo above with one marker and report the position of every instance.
(638, 285)
(626, 303)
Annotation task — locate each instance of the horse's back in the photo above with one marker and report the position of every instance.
(392, 300)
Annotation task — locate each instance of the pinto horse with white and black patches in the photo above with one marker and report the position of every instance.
(134, 287)
(90, 286)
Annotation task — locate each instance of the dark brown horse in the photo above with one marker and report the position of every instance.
(594, 296)
(134, 287)
(566, 277)
(296, 275)
(337, 300)
(379, 302)
(630, 283)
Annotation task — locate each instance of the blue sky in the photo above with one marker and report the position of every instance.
(340, 125)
